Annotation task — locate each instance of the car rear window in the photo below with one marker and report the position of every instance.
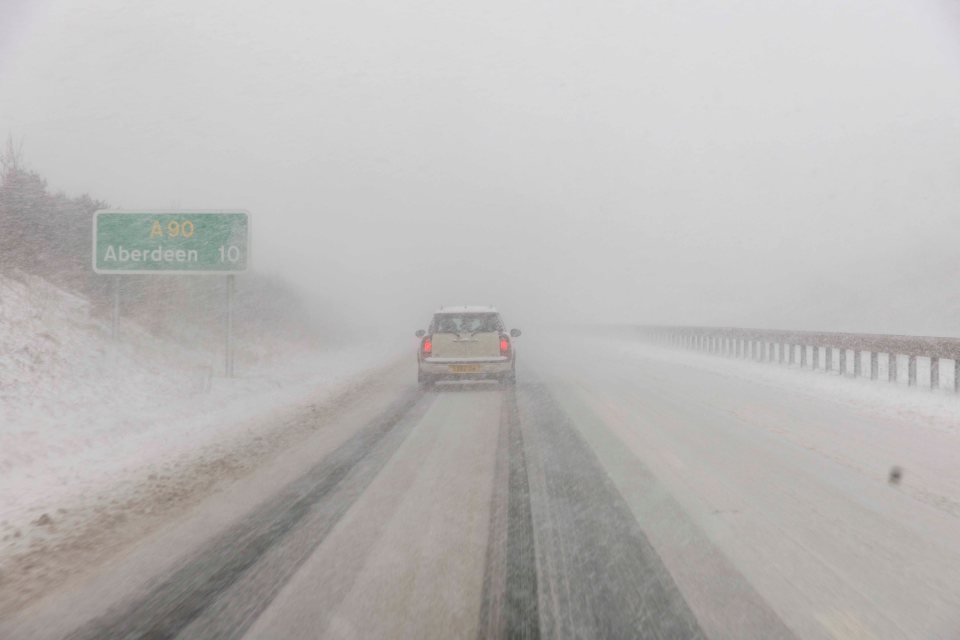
(466, 323)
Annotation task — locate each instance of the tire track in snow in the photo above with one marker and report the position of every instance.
(510, 608)
(598, 575)
(204, 585)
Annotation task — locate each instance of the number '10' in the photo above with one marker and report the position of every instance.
(229, 254)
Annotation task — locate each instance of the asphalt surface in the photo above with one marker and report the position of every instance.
(578, 504)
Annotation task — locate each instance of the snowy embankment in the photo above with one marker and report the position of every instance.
(82, 416)
(939, 409)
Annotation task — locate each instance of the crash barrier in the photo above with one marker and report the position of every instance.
(805, 348)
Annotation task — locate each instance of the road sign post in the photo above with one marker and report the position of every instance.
(228, 360)
(115, 329)
(173, 242)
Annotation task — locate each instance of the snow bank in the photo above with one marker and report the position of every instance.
(80, 413)
(938, 409)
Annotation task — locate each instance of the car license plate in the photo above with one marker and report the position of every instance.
(465, 368)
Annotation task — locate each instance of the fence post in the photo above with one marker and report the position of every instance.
(828, 359)
(934, 373)
(892, 367)
(874, 365)
(856, 363)
(816, 357)
(843, 361)
(790, 347)
(803, 356)
(912, 371)
(956, 375)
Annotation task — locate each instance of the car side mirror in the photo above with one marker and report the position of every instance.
(515, 333)
(421, 333)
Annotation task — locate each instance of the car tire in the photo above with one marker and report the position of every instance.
(424, 380)
(510, 379)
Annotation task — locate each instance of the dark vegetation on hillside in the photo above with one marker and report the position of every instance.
(50, 235)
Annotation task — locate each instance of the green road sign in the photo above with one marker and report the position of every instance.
(170, 241)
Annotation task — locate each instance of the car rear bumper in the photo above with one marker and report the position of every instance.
(467, 369)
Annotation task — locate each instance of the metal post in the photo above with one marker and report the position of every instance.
(934, 373)
(912, 371)
(115, 328)
(856, 363)
(228, 358)
(816, 356)
(791, 349)
(828, 359)
(803, 356)
(892, 367)
(874, 365)
(843, 361)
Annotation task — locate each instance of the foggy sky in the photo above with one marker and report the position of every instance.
(763, 163)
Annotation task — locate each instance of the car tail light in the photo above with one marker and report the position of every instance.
(504, 346)
(427, 346)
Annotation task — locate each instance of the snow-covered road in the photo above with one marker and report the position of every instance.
(617, 491)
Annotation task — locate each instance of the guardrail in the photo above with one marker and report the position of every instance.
(794, 347)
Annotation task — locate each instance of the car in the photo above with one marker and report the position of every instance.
(467, 343)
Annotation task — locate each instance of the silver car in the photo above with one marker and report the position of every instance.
(467, 343)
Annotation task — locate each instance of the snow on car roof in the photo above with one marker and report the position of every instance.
(467, 309)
